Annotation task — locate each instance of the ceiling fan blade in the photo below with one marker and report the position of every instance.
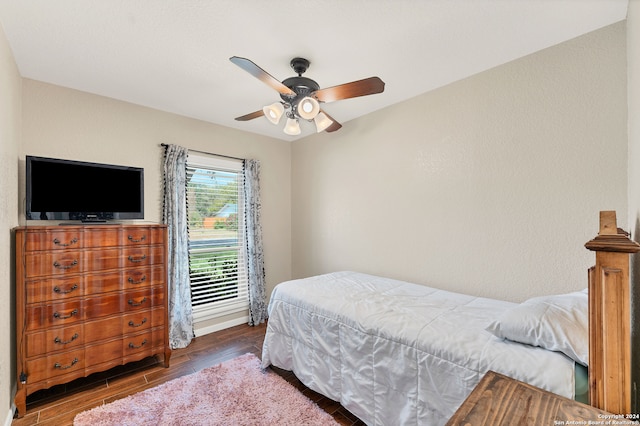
(262, 75)
(368, 86)
(334, 126)
(250, 116)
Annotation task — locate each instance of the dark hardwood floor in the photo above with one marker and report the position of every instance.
(59, 405)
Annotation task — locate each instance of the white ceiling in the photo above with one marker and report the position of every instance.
(174, 55)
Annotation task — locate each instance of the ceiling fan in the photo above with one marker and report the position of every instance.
(301, 96)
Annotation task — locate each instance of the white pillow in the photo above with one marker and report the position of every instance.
(557, 323)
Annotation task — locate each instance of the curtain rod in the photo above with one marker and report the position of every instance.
(208, 153)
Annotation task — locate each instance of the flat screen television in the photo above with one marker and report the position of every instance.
(60, 189)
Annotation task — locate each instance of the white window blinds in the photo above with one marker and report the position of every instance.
(217, 254)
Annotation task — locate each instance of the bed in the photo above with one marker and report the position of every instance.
(393, 352)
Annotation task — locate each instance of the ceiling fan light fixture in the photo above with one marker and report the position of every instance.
(273, 112)
(308, 108)
(292, 127)
(322, 122)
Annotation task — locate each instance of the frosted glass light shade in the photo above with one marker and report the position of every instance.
(273, 112)
(308, 108)
(292, 127)
(322, 122)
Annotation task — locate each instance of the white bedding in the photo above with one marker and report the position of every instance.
(393, 352)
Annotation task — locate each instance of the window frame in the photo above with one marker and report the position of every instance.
(202, 313)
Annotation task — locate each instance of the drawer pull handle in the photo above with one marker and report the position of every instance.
(140, 281)
(133, 240)
(64, 367)
(57, 315)
(58, 243)
(132, 346)
(132, 324)
(132, 303)
(140, 259)
(60, 342)
(56, 289)
(69, 266)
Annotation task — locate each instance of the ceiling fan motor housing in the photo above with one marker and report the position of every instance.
(302, 86)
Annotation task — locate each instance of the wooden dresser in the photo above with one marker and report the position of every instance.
(88, 298)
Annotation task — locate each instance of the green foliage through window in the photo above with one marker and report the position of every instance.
(216, 257)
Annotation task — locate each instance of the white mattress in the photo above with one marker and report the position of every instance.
(393, 352)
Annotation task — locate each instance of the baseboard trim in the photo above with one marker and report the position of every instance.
(9, 419)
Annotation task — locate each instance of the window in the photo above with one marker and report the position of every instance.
(215, 211)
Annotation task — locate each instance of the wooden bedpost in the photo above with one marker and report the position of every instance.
(610, 318)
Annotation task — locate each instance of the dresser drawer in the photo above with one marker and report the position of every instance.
(62, 239)
(140, 321)
(63, 314)
(125, 279)
(158, 236)
(104, 282)
(55, 365)
(110, 351)
(54, 340)
(135, 236)
(142, 235)
(143, 256)
(143, 342)
(55, 289)
(55, 263)
(100, 260)
(137, 322)
(143, 299)
(102, 306)
(102, 329)
(136, 278)
(102, 237)
(76, 335)
(59, 314)
(125, 257)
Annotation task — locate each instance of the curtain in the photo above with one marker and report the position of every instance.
(175, 216)
(255, 256)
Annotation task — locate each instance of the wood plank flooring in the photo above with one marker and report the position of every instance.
(60, 404)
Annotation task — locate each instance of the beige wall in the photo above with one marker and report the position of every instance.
(10, 101)
(64, 123)
(633, 81)
(489, 186)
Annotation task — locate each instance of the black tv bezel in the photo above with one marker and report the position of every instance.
(85, 216)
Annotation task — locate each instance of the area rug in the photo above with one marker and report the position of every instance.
(236, 392)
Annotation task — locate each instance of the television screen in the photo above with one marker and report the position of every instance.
(60, 189)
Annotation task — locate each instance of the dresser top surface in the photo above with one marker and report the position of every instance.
(82, 226)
